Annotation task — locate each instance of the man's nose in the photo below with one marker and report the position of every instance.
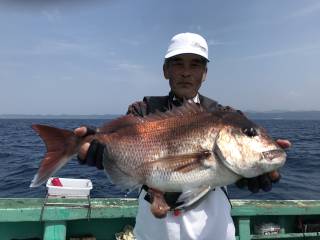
(186, 71)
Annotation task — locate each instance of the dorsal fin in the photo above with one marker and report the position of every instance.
(187, 108)
(121, 122)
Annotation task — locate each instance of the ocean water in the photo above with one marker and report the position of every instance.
(21, 151)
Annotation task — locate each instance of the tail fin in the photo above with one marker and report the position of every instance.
(61, 146)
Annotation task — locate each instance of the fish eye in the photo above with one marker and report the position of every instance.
(250, 132)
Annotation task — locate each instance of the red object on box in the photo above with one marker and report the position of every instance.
(56, 182)
(176, 212)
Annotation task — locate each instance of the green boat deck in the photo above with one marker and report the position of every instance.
(25, 218)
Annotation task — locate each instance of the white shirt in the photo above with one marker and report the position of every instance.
(196, 99)
(210, 220)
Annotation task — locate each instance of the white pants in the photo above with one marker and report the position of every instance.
(210, 220)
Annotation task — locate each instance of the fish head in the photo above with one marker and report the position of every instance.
(245, 148)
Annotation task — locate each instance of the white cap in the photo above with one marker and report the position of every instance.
(187, 43)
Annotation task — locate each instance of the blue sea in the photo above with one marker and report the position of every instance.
(21, 151)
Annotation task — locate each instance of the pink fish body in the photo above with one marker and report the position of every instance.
(182, 149)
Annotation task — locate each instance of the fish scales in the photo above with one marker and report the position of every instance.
(150, 139)
(158, 139)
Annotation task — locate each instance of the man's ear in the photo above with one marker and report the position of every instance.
(204, 75)
(165, 71)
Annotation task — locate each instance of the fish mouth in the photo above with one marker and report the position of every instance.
(273, 154)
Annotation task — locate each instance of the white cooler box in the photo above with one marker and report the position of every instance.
(70, 187)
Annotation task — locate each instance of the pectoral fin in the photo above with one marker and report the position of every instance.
(192, 196)
(181, 163)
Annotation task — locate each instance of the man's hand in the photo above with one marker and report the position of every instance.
(82, 132)
(264, 181)
(90, 153)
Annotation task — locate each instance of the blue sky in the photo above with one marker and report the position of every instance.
(97, 57)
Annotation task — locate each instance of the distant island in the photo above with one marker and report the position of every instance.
(285, 115)
(60, 116)
(277, 115)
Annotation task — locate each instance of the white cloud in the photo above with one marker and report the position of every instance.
(212, 42)
(52, 16)
(294, 94)
(61, 47)
(302, 50)
(195, 28)
(132, 41)
(51, 47)
(57, 47)
(308, 10)
(128, 67)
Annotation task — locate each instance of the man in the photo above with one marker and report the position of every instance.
(185, 67)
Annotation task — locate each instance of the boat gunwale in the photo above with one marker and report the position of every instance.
(29, 209)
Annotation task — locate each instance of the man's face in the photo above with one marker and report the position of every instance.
(185, 73)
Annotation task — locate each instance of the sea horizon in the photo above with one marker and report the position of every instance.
(270, 114)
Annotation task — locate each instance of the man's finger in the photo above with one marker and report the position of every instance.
(284, 143)
(274, 176)
(80, 131)
(85, 131)
(99, 156)
(265, 183)
(91, 157)
(242, 183)
(253, 184)
(83, 152)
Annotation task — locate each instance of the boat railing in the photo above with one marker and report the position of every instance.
(25, 218)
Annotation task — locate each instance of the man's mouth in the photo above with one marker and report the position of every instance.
(186, 84)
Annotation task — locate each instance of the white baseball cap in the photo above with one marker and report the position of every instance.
(187, 43)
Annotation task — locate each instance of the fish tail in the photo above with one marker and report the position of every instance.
(61, 146)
